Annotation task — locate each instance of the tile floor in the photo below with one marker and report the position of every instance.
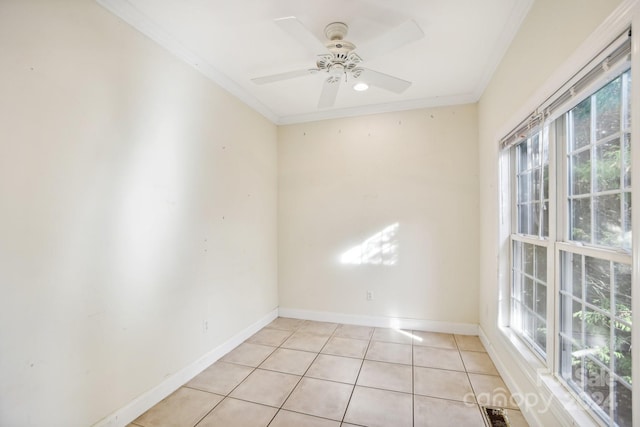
(296, 373)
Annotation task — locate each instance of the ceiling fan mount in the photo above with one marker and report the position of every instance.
(342, 62)
(336, 31)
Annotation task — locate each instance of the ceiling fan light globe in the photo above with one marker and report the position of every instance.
(336, 70)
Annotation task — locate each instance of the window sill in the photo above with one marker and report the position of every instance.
(551, 394)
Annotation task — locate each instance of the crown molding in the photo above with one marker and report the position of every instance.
(124, 10)
(379, 108)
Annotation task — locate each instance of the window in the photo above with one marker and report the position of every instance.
(529, 294)
(595, 285)
(571, 234)
(529, 245)
(599, 167)
(595, 333)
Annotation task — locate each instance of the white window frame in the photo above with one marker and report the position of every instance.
(563, 242)
(546, 242)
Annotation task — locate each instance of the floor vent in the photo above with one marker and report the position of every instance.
(496, 417)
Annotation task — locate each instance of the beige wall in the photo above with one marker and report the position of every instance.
(344, 182)
(551, 32)
(137, 200)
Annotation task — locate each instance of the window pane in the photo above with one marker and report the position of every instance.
(523, 157)
(527, 258)
(541, 263)
(598, 287)
(602, 342)
(626, 231)
(608, 220)
(622, 351)
(541, 300)
(527, 293)
(626, 164)
(570, 322)
(622, 291)
(608, 159)
(536, 184)
(516, 315)
(572, 364)
(517, 287)
(597, 386)
(627, 96)
(545, 220)
(577, 322)
(581, 124)
(524, 185)
(581, 173)
(623, 409)
(581, 219)
(541, 334)
(622, 329)
(545, 183)
(576, 272)
(532, 186)
(528, 327)
(597, 333)
(608, 104)
(523, 219)
(534, 228)
(535, 150)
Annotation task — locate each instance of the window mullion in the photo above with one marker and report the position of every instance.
(612, 342)
(550, 134)
(558, 221)
(635, 213)
(592, 155)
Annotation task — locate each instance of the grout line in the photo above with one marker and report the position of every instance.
(413, 385)
(227, 396)
(358, 376)
(296, 385)
(308, 415)
(334, 333)
(207, 414)
(304, 373)
(464, 365)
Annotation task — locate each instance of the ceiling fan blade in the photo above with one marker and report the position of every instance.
(281, 76)
(393, 39)
(329, 94)
(384, 81)
(300, 33)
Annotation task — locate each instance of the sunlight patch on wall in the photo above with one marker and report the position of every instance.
(379, 249)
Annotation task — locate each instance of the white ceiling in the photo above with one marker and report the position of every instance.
(232, 42)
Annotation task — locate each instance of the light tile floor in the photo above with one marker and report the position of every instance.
(303, 373)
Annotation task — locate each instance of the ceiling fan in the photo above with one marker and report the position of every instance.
(342, 63)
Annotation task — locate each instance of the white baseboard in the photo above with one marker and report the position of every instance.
(140, 405)
(381, 321)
